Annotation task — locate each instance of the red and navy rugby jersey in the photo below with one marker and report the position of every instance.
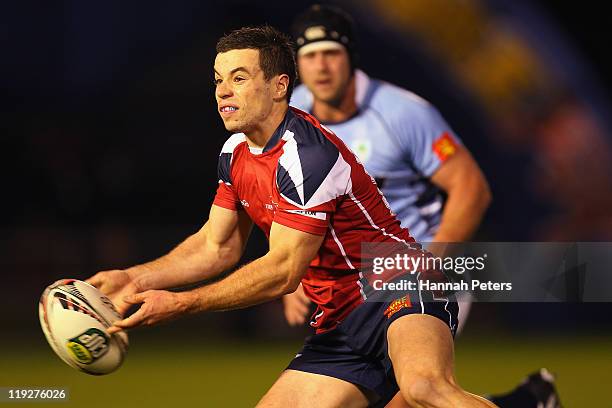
(307, 179)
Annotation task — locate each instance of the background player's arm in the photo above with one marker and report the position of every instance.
(215, 248)
(277, 273)
(468, 196)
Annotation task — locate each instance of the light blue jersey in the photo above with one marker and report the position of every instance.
(402, 140)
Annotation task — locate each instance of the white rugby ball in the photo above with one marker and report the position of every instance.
(74, 316)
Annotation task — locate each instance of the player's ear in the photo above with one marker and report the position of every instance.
(282, 86)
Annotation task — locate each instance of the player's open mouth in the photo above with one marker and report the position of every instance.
(323, 82)
(227, 110)
(323, 86)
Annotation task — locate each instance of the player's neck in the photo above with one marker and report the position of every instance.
(259, 136)
(333, 112)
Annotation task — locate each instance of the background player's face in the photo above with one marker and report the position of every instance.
(244, 97)
(326, 73)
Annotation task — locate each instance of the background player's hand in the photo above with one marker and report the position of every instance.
(157, 306)
(296, 307)
(116, 285)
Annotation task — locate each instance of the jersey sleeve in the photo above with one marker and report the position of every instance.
(226, 196)
(425, 138)
(313, 221)
(309, 180)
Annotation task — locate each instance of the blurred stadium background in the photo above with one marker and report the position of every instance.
(110, 143)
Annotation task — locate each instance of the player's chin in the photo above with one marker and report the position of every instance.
(331, 96)
(233, 126)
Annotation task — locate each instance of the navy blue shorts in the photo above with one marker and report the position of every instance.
(356, 350)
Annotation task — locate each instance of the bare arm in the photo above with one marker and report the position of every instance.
(275, 274)
(468, 197)
(269, 277)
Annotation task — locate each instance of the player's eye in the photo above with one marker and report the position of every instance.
(239, 79)
(216, 81)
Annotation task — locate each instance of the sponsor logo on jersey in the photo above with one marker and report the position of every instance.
(311, 214)
(315, 320)
(444, 146)
(397, 305)
(88, 346)
(272, 205)
(362, 149)
(244, 203)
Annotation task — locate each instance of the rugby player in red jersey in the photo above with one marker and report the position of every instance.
(315, 202)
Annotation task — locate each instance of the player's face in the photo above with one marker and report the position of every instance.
(244, 97)
(326, 73)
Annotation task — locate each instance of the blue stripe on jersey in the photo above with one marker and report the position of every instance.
(286, 185)
(317, 156)
(223, 167)
(280, 130)
(225, 158)
(307, 160)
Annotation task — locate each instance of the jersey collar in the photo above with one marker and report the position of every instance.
(280, 131)
(362, 85)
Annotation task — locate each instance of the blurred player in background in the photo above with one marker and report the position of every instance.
(429, 178)
(312, 198)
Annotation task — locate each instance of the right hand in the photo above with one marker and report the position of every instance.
(116, 285)
(296, 307)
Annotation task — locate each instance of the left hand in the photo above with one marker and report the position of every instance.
(158, 306)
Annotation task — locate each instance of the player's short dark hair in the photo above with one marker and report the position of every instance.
(276, 50)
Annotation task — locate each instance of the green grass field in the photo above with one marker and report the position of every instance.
(185, 373)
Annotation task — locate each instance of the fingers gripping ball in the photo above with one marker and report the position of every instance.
(75, 317)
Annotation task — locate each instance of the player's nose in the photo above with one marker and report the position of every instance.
(320, 61)
(223, 91)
